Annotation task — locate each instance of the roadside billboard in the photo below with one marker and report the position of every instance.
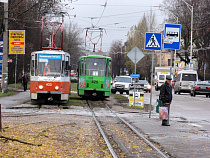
(16, 41)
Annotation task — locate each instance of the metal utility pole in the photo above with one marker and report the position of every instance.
(151, 84)
(190, 7)
(5, 50)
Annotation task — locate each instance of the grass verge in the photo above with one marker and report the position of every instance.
(120, 98)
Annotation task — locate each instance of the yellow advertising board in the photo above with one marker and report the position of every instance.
(139, 100)
(16, 41)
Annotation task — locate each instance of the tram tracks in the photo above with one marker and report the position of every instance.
(122, 139)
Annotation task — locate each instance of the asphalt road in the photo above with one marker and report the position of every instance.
(184, 107)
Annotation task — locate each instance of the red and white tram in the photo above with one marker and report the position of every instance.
(50, 76)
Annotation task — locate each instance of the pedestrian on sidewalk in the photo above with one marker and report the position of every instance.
(25, 81)
(166, 97)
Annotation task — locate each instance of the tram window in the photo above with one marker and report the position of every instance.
(32, 68)
(36, 65)
(96, 67)
(110, 69)
(107, 69)
(81, 67)
(32, 65)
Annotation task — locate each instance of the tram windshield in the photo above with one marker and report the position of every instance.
(49, 64)
(96, 66)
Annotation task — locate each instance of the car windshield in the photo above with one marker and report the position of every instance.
(143, 82)
(162, 77)
(189, 77)
(124, 79)
(49, 64)
(96, 66)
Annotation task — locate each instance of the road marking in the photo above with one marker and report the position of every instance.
(196, 125)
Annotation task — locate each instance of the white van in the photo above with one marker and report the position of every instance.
(160, 79)
(185, 79)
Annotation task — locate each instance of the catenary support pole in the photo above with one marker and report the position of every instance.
(5, 50)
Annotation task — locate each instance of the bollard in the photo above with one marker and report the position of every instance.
(0, 120)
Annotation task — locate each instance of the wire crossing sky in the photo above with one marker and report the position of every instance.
(115, 16)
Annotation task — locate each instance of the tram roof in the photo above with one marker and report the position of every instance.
(50, 52)
(95, 56)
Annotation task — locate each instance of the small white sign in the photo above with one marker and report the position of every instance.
(172, 33)
(4, 1)
(137, 95)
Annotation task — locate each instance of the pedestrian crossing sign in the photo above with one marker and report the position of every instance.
(153, 41)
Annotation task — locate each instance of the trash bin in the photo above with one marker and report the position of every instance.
(159, 104)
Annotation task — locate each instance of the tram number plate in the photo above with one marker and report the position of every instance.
(95, 81)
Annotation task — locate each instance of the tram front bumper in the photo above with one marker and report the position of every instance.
(34, 96)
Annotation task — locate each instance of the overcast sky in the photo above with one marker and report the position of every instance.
(116, 18)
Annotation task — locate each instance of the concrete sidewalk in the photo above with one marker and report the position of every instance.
(17, 99)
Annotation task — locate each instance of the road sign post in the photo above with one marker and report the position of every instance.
(135, 55)
(153, 41)
(16, 41)
(172, 36)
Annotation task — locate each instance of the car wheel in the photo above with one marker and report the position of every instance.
(191, 93)
(121, 92)
(114, 92)
(207, 96)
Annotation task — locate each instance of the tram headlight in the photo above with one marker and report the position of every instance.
(56, 88)
(40, 87)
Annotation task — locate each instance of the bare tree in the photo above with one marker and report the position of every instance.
(201, 30)
(136, 37)
(118, 58)
(72, 43)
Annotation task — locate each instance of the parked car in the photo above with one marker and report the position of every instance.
(200, 88)
(74, 79)
(122, 84)
(184, 81)
(73, 73)
(147, 86)
(160, 79)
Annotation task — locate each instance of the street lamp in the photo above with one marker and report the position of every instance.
(190, 7)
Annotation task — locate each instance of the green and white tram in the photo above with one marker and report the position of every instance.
(95, 76)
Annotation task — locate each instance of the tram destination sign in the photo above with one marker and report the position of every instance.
(16, 41)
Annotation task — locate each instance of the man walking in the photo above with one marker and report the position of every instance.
(25, 81)
(166, 97)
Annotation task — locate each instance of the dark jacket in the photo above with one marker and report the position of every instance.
(24, 79)
(166, 93)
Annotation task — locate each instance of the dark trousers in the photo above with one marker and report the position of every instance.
(25, 86)
(166, 122)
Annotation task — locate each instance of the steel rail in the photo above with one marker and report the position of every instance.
(139, 134)
(102, 132)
